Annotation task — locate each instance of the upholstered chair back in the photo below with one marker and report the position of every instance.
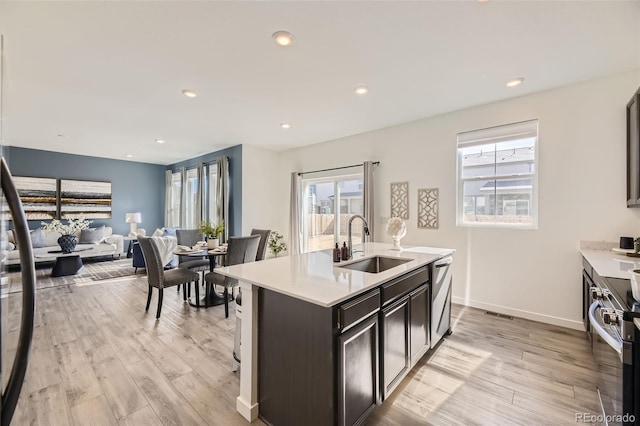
(153, 262)
(264, 238)
(242, 249)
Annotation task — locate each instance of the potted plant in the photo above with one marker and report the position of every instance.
(68, 239)
(276, 245)
(212, 232)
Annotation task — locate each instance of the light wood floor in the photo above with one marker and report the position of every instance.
(98, 359)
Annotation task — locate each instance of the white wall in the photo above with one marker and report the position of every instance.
(529, 273)
(259, 171)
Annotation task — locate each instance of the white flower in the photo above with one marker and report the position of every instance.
(72, 226)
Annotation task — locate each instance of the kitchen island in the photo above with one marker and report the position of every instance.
(324, 342)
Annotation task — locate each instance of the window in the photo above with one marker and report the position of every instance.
(191, 200)
(328, 204)
(176, 191)
(213, 193)
(191, 197)
(498, 176)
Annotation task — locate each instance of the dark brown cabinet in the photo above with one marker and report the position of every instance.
(633, 151)
(396, 358)
(419, 309)
(333, 365)
(358, 372)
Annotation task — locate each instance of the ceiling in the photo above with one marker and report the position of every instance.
(107, 76)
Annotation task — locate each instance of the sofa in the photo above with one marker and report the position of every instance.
(101, 241)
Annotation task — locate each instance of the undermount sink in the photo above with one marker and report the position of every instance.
(375, 264)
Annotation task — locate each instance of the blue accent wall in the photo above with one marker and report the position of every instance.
(135, 187)
(235, 181)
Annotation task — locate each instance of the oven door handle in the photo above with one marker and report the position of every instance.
(599, 329)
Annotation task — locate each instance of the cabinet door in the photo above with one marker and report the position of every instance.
(358, 385)
(395, 344)
(419, 323)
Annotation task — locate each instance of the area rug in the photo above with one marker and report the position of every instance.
(91, 272)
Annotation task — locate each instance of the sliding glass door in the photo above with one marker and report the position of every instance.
(328, 204)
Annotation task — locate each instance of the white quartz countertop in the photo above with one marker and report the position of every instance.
(314, 277)
(611, 264)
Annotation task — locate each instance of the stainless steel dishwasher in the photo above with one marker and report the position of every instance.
(441, 299)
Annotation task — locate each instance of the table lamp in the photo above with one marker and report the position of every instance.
(133, 219)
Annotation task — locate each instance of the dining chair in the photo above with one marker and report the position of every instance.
(240, 250)
(159, 278)
(264, 238)
(189, 238)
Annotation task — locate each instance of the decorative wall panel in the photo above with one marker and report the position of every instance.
(38, 196)
(428, 208)
(400, 200)
(85, 198)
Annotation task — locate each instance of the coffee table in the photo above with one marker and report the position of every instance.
(67, 263)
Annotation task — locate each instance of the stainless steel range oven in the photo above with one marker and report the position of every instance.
(614, 338)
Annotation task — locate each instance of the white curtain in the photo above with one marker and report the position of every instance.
(200, 195)
(168, 201)
(222, 188)
(367, 197)
(295, 215)
(183, 197)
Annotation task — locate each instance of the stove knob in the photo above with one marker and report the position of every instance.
(610, 317)
(596, 293)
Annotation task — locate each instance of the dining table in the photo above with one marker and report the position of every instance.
(212, 297)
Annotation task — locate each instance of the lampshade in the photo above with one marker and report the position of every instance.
(133, 218)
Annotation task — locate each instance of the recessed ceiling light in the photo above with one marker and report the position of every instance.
(515, 82)
(361, 90)
(129, 156)
(285, 125)
(189, 93)
(159, 141)
(283, 38)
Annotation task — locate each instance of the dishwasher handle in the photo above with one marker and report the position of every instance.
(445, 261)
(612, 341)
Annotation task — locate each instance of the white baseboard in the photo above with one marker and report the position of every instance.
(249, 412)
(548, 319)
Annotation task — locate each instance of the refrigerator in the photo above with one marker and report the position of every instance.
(17, 308)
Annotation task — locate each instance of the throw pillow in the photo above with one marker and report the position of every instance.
(169, 232)
(37, 239)
(92, 235)
(158, 232)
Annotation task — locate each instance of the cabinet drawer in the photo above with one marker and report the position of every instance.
(404, 284)
(358, 309)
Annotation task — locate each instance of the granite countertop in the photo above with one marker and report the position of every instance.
(611, 264)
(314, 277)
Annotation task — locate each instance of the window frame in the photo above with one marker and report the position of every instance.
(494, 135)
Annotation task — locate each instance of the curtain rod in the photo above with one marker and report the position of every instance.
(375, 163)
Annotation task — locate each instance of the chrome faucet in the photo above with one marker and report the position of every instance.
(350, 243)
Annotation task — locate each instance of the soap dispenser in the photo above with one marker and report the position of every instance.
(345, 252)
(336, 254)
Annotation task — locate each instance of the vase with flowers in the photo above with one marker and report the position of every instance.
(68, 238)
(212, 232)
(276, 243)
